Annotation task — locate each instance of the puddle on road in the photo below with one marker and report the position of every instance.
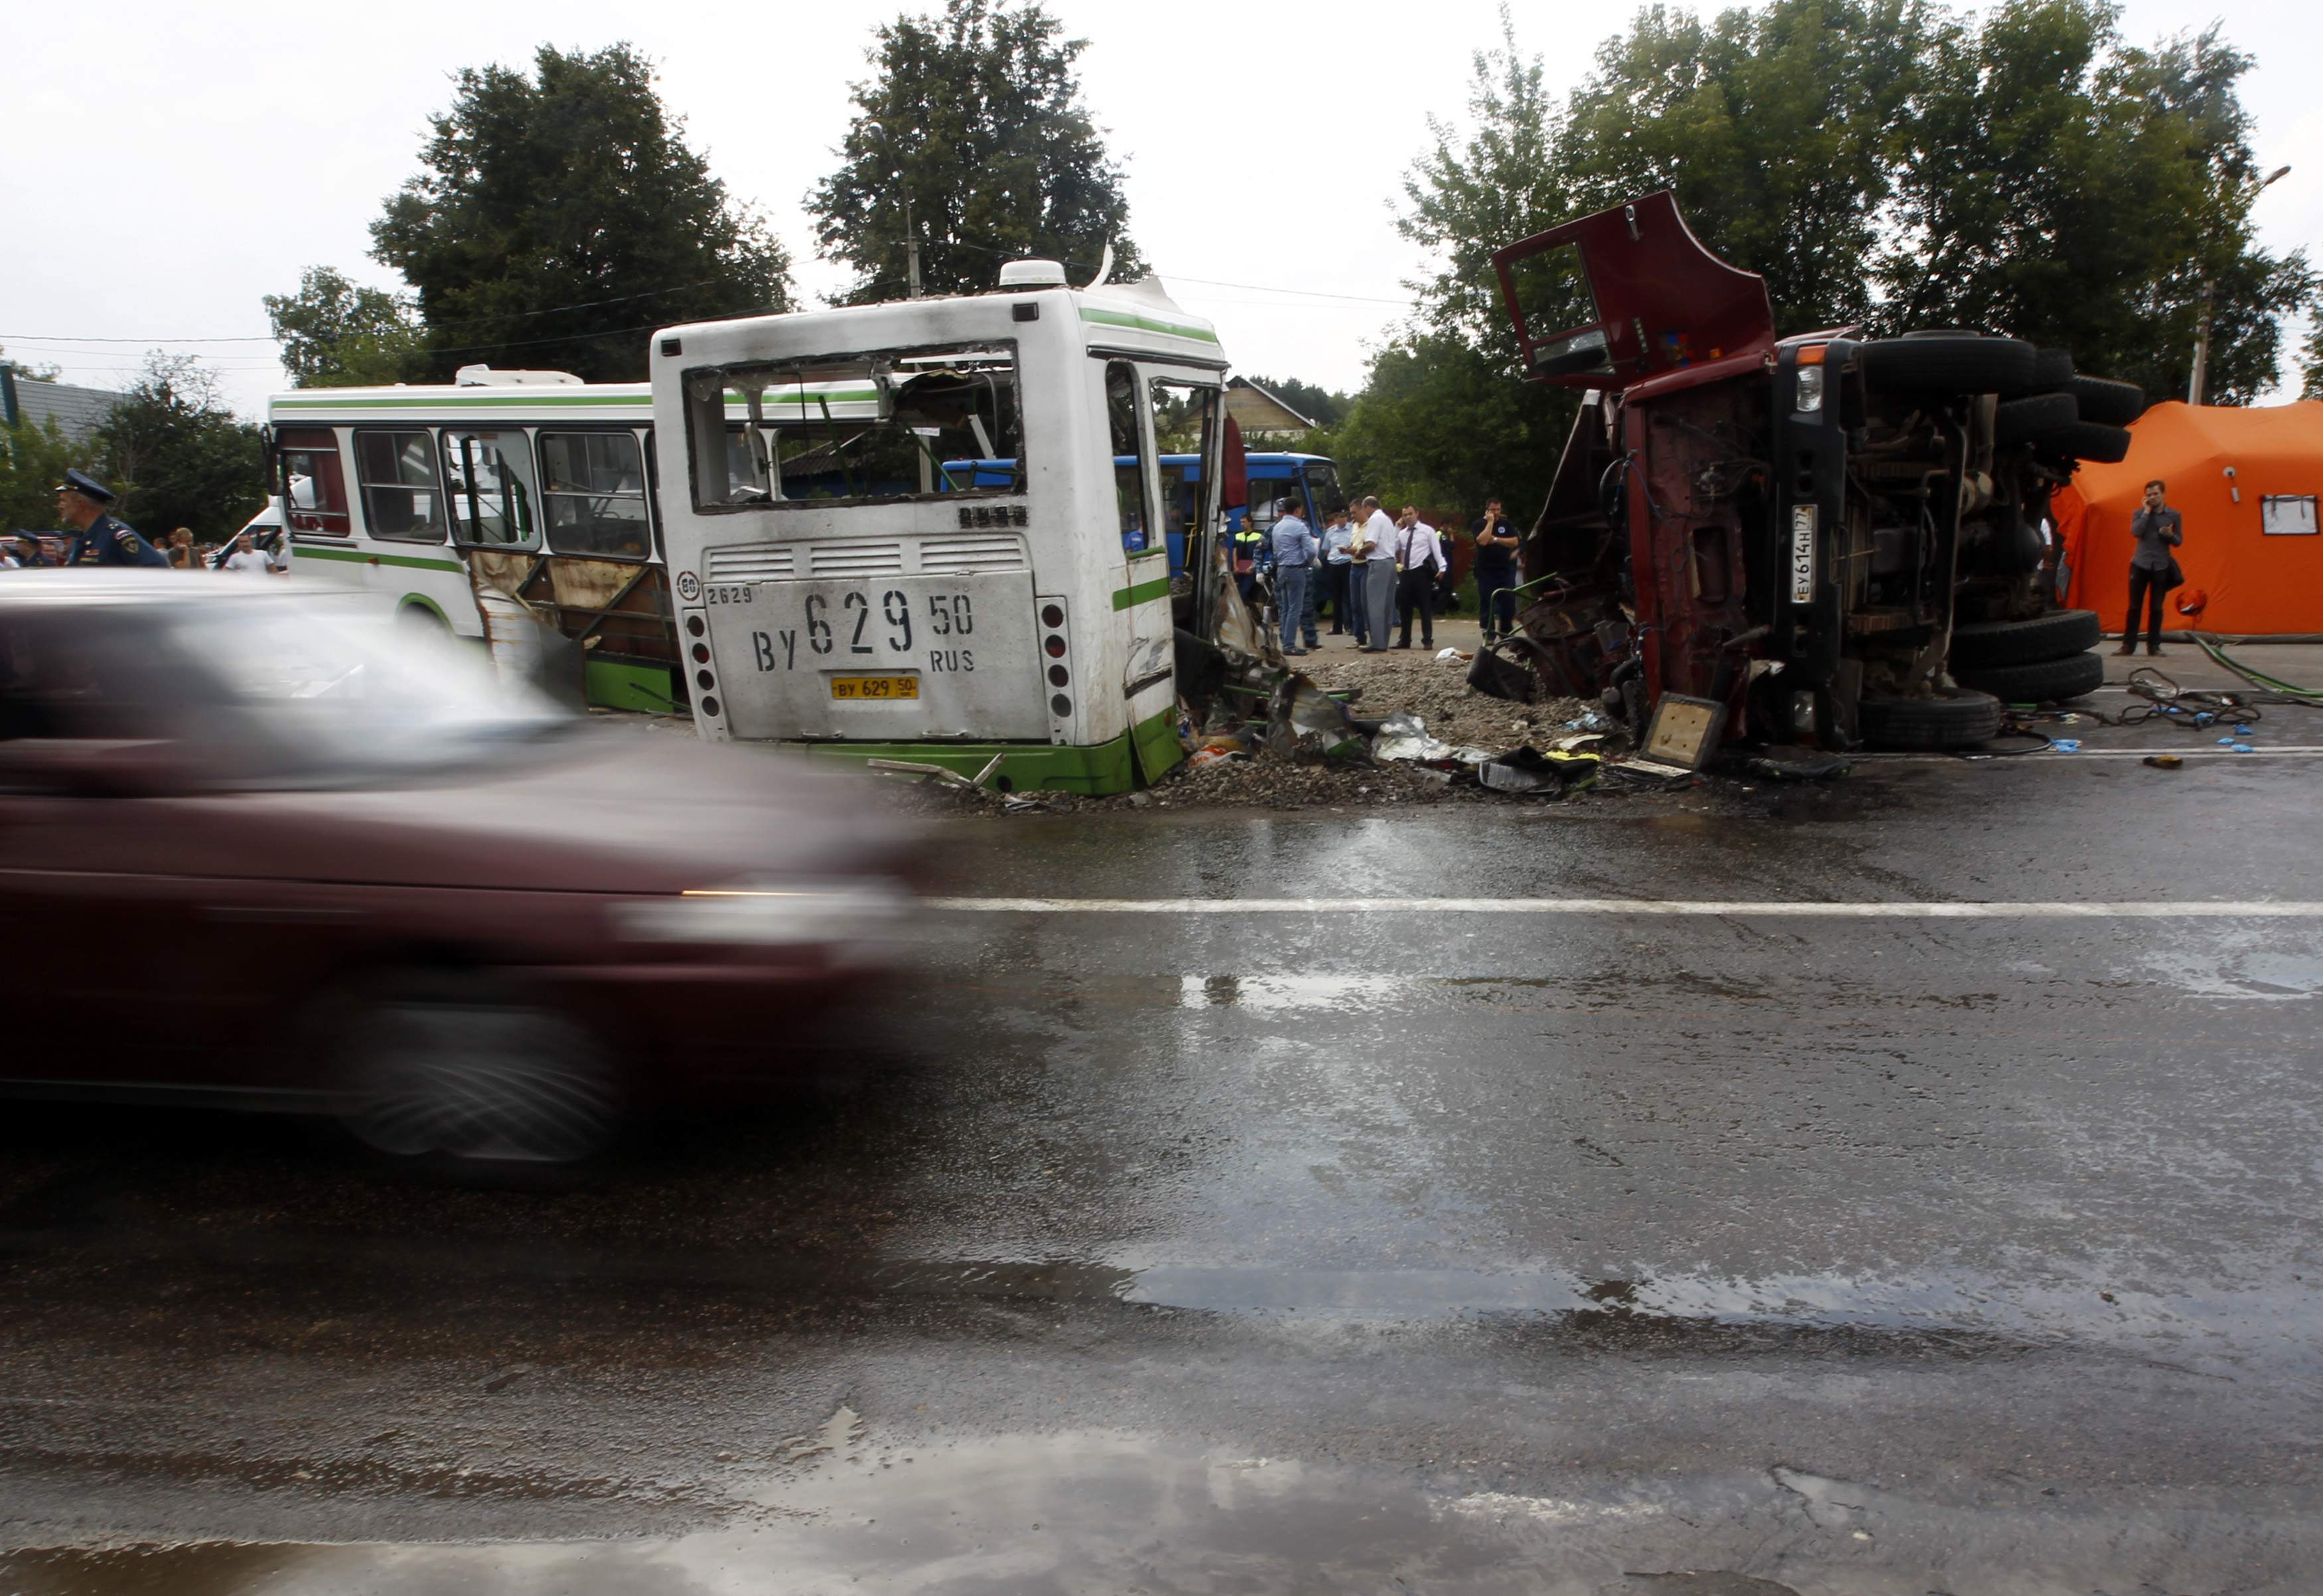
(2236, 965)
(1112, 1512)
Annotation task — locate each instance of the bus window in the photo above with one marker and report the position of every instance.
(595, 494)
(1132, 467)
(313, 493)
(1323, 486)
(858, 427)
(1185, 422)
(397, 474)
(490, 478)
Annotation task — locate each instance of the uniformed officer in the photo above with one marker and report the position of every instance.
(100, 538)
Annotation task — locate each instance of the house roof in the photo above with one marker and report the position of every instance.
(76, 411)
(1255, 409)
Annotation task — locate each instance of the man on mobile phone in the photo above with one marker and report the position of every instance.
(2156, 529)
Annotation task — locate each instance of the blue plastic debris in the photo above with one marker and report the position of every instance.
(2224, 741)
(2066, 745)
(2242, 731)
(2242, 748)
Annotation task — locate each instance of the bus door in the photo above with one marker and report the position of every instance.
(600, 577)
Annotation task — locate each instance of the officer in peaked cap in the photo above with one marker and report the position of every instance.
(100, 538)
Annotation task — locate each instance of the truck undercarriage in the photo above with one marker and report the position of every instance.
(1824, 539)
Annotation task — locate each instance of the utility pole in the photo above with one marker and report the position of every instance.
(2210, 307)
(2202, 343)
(912, 245)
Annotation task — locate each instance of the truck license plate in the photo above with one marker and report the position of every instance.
(855, 687)
(1803, 561)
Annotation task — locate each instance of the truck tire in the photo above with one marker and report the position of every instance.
(2090, 440)
(2021, 420)
(1954, 717)
(2042, 682)
(2111, 403)
(2054, 635)
(1957, 364)
(2052, 370)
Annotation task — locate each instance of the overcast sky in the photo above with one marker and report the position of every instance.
(174, 162)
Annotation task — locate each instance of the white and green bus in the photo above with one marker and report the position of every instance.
(971, 566)
(452, 499)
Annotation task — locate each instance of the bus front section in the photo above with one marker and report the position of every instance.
(900, 532)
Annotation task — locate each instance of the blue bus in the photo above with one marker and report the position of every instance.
(1309, 483)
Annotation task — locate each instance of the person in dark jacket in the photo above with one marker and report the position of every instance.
(2157, 529)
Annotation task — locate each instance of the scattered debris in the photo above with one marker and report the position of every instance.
(2164, 761)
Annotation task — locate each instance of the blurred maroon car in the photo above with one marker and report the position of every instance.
(266, 848)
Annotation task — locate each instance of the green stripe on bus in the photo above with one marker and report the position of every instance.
(498, 399)
(410, 561)
(1147, 324)
(1158, 588)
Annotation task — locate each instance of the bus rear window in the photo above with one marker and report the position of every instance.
(893, 425)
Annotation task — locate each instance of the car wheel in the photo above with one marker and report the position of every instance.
(2111, 403)
(2041, 681)
(2090, 440)
(1953, 718)
(460, 1073)
(2053, 636)
(1951, 364)
(2020, 421)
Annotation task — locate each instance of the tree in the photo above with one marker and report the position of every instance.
(33, 461)
(1318, 405)
(2055, 183)
(559, 218)
(2310, 362)
(1771, 126)
(970, 137)
(36, 372)
(178, 456)
(336, 333)
(1444, 418)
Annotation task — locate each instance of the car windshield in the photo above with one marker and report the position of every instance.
(340, 688)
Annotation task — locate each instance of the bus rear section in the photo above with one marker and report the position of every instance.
(932, 535)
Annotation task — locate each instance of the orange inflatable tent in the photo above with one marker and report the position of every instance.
(2246, 481)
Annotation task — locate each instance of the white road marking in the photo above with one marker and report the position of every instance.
(1710, 907)
(2019, 751)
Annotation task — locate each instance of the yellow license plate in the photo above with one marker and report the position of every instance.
(875, 687)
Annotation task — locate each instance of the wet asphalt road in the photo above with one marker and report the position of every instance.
(1298, 1252)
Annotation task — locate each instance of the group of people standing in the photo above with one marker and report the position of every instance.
(1377, 571)
(99, 537)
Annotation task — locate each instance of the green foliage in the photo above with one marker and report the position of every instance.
(33, 461)
(1442, 422)
(559, 218)
(1772, 126)
(1466, 197)
(177, 457)
(2054, 182)
(2311, 363)
(971, 136)
(336, 333)
(32, 372)
(1318, 405)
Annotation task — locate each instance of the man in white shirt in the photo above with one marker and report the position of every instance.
(1375, 546)
(1420, 560)
(245, 560)
(1338, 563)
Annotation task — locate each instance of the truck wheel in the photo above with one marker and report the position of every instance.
(452, 1073)
(2053, 636)
(2052, 370)
(2090, 440)
(2042, 682)
(2113, 404)
(1954, 717)
(2021, 420)
(1957, 364)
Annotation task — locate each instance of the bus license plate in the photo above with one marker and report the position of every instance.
(859, 687)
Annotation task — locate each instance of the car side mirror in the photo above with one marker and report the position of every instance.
(98, 767)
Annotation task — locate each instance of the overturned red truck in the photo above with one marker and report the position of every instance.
(1827, 539)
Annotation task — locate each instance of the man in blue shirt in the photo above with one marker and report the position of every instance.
(98, 538)
(1294, 562)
